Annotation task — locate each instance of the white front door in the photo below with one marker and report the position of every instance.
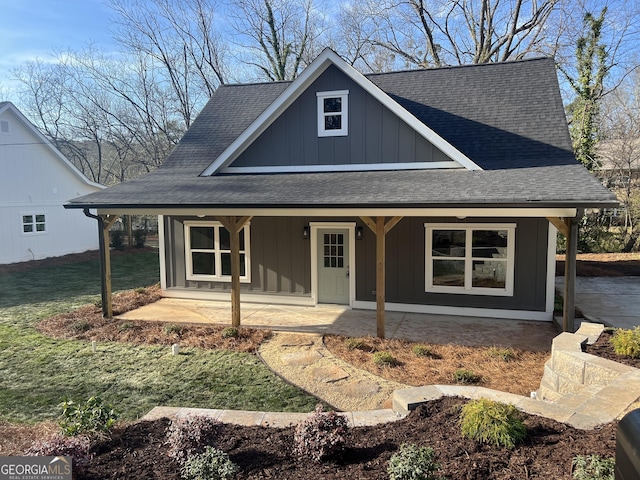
(333, 265)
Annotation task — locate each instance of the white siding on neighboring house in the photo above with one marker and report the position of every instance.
(35, 182)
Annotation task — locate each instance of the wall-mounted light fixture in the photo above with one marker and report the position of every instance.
(359, 233)
(306, 232)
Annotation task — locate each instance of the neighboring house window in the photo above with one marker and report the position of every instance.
(474, 259)
(208, 252)
(34, 223)
(333, 108)
(4, 126)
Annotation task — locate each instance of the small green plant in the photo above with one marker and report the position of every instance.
(422, 351)
(465, 376)
(506, 354)
(125, 326)
(626, 342)
(172, 329)
(189, 435)
(384, 359)
(412, 462)
(140, 290)
(58, 446)
(212, 464)
(320, 436)
(92, 416)
(593, 467)
(230, 332)
(493, 423)
(354, 344)
(80, 326)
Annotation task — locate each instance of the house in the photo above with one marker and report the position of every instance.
(434, 191)
(36, 180)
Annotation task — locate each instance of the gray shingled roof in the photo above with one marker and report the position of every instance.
(508, 118)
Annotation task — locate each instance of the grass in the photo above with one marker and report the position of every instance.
(37, 372)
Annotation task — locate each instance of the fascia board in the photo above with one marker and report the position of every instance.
(301, 83)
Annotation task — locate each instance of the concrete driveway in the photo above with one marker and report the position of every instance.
(614, 301)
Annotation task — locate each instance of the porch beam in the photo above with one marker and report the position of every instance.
(233, 226)
(380, 275)
(560, 224)
(569, 309)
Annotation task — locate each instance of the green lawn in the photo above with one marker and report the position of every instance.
(37, 372)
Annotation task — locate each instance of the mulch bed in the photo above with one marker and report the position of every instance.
(137, 451)
(603, 265)
(602, 348)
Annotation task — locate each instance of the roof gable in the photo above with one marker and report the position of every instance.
(298, 87)
(32, 130)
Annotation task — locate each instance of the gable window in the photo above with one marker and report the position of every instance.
(34, 223)
(333, 108)
(208, 252)
(4, 126)
(475, 259)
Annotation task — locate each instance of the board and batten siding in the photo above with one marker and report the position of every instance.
(34, 181)
(281, 262)
(279, 257)
(375, 134)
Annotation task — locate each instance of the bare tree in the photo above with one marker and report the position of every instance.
(279, 37)
(178, 37)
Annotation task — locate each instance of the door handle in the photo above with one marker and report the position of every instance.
(347, 272)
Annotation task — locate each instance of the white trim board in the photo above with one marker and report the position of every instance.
(551, 268)
(225, 296)
(301, 83)
(351, 228)
(162, 253)
(459, 311)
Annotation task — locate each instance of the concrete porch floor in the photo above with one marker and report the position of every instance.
(340, 320)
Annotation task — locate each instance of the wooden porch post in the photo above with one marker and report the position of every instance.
(380, 228)
(105, 264)
(569, 228)
(569, 312)
(234, 225)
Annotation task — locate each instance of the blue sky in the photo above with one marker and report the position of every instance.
(31, 29)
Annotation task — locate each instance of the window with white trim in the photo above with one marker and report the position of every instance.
(4, 126)
(475, 259)
(208, 252)
(333, 109)
(34, 223)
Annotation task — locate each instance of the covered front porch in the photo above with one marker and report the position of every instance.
(343, 320)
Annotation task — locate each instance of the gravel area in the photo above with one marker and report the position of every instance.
(303, 360)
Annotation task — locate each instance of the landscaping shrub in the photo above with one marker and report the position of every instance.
(626, 342)
(189, 435)
(593, 467)
(139, 237)
(354, 344)
(230, 332)
(212, 464)
(80, 326)
(140, 290)
(422, 351)
(413, 463)
(493, 423)
(117, 239)
(505, 354)
(92, 416)
(384, 359)
(125, 326)
(320, 436)
(58, 446)
(466, 376)
(173, 329)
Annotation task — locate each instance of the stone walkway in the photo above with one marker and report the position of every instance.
(304, 361)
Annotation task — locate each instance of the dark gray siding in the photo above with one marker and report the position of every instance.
(279, 257)
(405, 279)
(281, 262)
(375, 134)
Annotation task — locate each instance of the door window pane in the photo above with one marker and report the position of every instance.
(333, 250)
